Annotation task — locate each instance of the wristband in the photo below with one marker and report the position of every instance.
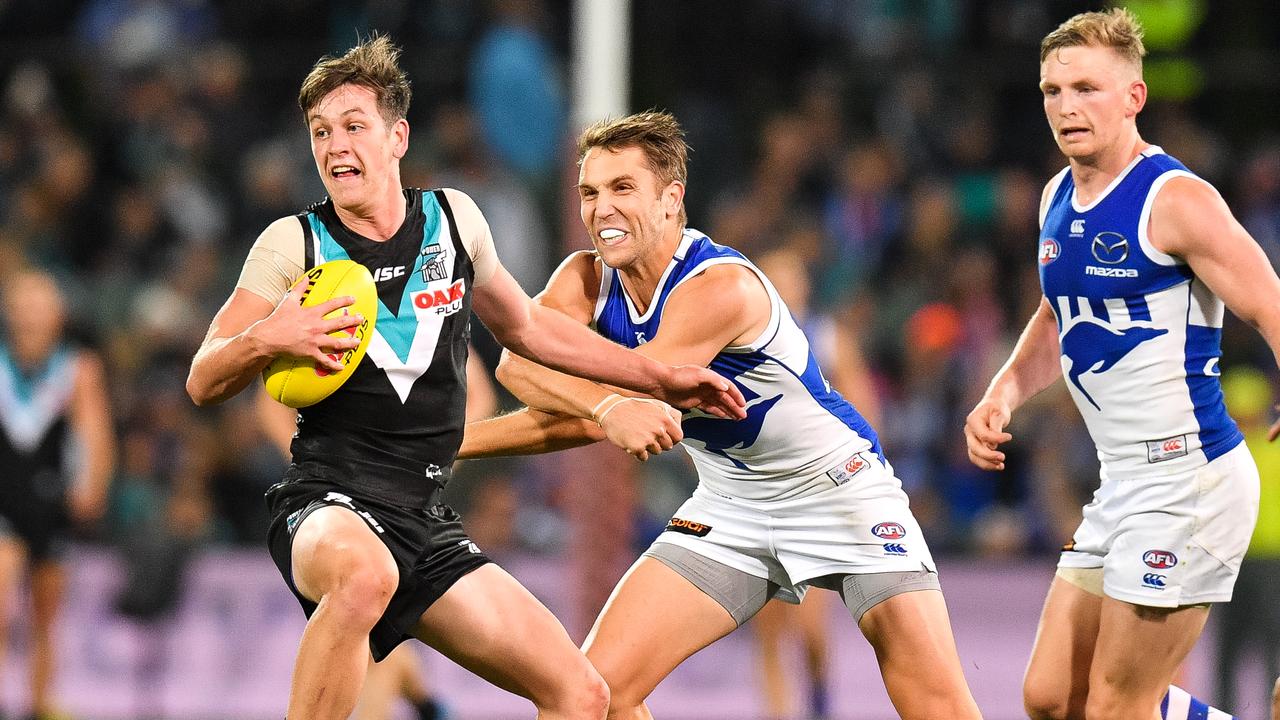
(595, 412)
(609, 409)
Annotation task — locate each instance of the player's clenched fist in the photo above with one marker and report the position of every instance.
(641, 426)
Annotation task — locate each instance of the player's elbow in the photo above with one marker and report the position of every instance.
(508, 370)
(201, 393)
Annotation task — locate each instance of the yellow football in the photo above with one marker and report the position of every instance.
(297, 382)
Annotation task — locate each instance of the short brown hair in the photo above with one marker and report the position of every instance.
(1117, 28)
(656, 133)
(372, 64)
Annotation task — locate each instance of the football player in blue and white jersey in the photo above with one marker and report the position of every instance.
(797, 495)
(1137, 258)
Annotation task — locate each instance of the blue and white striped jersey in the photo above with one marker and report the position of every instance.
(797, 428)
(1140, 333)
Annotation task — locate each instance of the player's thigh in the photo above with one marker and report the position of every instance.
(772, 620)
(1139, 649)
(653, 621)
(1057, 679)
(813, 617)
(911, 635)
(488, 623)
(332, 546)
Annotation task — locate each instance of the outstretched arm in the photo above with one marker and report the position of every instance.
(1033, 366)
(526, 432)
(1189, 219)
(551, 338)
(706, 313)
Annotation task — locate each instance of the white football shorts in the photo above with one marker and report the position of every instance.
(1171, 540)
(852, 528)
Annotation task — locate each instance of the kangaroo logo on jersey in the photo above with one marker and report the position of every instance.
(433, 263)
(1049, 250)
(720, 435)
(1110, 248)
(1096, 348)
(1159, 559)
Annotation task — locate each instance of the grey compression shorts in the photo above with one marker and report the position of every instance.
(743, 594)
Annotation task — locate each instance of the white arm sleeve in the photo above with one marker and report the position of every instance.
(474, 231)
(275, 261)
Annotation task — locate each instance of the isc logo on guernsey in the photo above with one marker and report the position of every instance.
(444, 302)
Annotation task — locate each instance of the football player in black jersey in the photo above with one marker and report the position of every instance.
(358, 531)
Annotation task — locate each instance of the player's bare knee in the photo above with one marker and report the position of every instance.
(581, 694)
(593, 698)
(1046, 710)
(359, 596)
(1043, 703)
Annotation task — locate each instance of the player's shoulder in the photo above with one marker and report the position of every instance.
(584, 266)
(283, 229)
(1051, 189)
(464, 210)
(732, 281)
(457, 199)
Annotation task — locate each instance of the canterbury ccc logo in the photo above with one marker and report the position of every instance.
(688, 527)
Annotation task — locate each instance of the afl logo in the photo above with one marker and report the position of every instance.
(1110, 248)
(1159, 559)
(889, 531)
(1049, 250)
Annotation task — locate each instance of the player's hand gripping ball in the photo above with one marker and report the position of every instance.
(296, 381)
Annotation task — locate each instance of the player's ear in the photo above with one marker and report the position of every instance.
(400, 138)
(1137, 98)
(673, 197)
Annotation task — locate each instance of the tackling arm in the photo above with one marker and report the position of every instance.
(526, 432)
(730, 295)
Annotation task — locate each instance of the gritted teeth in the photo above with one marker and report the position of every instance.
(338, 170)
(611, 233)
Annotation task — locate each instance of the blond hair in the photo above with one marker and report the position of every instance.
(372, 64)
(1117, 28)
(656, 133)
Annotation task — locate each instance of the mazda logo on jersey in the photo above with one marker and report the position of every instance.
(1110, 248)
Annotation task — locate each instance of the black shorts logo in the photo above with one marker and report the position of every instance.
(688, 527)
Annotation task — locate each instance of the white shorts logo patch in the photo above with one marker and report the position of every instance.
(844, 472)
(1166, 449)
